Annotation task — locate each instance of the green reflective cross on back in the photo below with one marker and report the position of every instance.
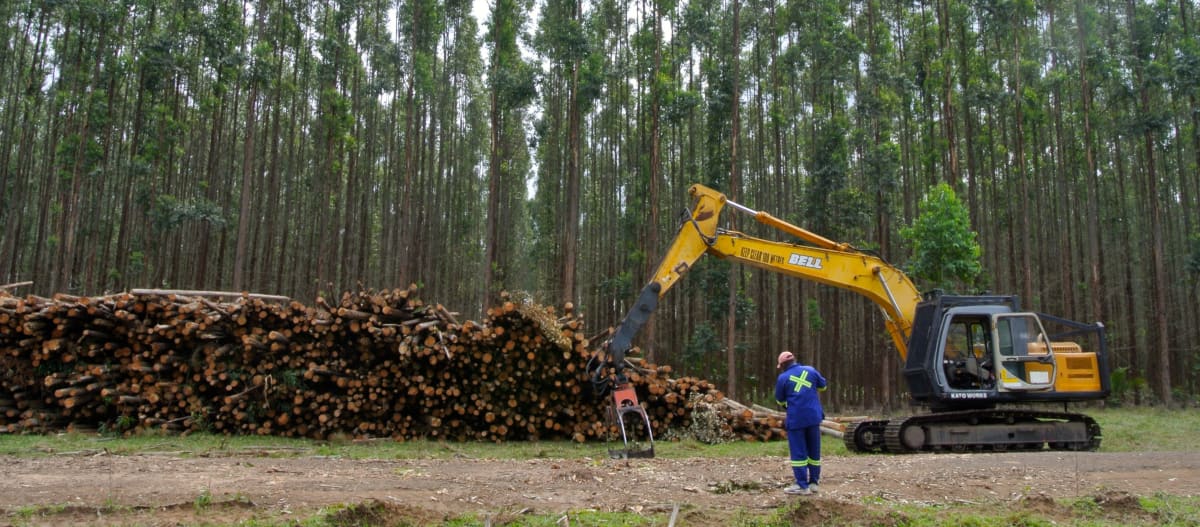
(801, 381)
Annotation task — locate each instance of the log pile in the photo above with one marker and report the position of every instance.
(756, 422)
(373, 364)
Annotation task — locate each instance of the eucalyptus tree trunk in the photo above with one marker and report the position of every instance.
(949, 115)
(247, 187)
(655, 139)
(570, 240)
(1021, 245)
(1095, 264)
(735, 183)
(1159, 285)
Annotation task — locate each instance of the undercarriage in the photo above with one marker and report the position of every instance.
(992, 430)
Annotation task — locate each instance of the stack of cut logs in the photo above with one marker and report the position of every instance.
(375, 364)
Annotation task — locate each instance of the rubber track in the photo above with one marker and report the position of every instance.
(963, 418)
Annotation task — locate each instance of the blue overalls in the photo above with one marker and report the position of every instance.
(797, 389)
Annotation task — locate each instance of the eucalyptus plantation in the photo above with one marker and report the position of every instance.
(546, 147)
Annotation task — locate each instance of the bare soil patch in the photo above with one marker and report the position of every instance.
(170, 490)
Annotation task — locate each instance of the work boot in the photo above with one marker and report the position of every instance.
(797, 490)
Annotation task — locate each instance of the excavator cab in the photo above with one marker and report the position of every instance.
(979, 351)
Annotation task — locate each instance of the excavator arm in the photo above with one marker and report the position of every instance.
(820, 260)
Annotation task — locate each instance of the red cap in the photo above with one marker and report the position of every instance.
(786, 357)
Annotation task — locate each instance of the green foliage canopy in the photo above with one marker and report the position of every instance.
(945, 250)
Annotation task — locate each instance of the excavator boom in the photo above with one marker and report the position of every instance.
(821, 260)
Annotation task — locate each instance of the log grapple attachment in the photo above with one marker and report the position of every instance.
(630, 421)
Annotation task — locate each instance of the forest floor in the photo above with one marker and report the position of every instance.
(96, 487)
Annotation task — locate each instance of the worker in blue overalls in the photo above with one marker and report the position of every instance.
(797, 389)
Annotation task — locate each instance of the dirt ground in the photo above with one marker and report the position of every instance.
(169, 489)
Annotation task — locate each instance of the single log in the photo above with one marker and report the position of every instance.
(183, 292)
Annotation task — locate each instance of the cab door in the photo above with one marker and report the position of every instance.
(1023, 357)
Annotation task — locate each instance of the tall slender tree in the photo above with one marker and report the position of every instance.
(511, 89)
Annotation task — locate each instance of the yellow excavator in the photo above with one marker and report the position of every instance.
(977, 363)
